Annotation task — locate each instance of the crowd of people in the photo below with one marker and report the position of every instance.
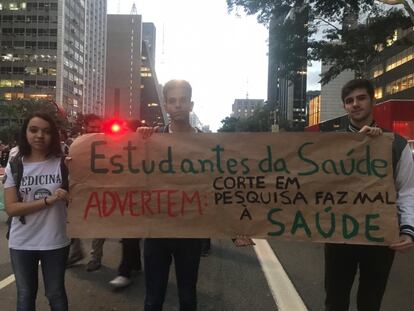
(38, 217)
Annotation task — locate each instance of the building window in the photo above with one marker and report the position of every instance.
(13, 6)
(11, 83)
(8, 96)
(378, 93)
(400, 59)
(377, 71)
(400, 84)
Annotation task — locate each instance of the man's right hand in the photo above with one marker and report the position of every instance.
(146, 132)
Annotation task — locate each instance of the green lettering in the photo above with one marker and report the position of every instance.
(369, 227)
(274, 222)
(304, 159)
(117, 164)
(300, 222)
(380, 165)
(346, 232)
(190, 167)
(95, 156)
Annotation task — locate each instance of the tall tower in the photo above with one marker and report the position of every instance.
(123, 64)
(152, 111)
(287, 92)
(95, 55)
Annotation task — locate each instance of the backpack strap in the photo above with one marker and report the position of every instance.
(16, 168)
(64, 173)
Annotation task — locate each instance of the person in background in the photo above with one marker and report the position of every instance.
(374, 262)
(63, 139)
(92, 124)
(131, 252)
(38, 228)
(130, 261)
(4, 155)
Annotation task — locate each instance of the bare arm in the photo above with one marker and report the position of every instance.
(16, 208)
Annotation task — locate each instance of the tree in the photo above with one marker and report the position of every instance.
(405, 3)
(331, 35)
(16, 112)
(258, 122)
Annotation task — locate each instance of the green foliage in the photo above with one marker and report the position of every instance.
(9, 133)
(321, 36)
(259, 122)
(13, 113)
(358, 46)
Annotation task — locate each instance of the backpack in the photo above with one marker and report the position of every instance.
(16, 168)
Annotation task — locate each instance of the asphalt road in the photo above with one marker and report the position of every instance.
(229, 279)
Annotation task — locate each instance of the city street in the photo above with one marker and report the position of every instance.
(230, 279)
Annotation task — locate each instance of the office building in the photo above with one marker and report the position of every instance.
(393, 70)
(123, 66)
(244, 108)
(95, 61)
(43, 51)
(287, 91)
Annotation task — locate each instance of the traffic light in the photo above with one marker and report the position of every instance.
(115, 126)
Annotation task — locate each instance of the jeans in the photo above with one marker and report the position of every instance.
(158, 255)
(341, 264)
(25, 266)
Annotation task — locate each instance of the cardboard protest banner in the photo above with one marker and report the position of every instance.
(325, 187)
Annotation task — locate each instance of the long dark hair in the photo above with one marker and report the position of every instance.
(54, 148)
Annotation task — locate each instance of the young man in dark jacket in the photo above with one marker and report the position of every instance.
(374, 262)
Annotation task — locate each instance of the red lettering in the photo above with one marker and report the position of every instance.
(186, 199)
(121, 204)
(158, 192)
(132, 203)
(108, 197)
(170, 202)
(93, 202)
(145, 202)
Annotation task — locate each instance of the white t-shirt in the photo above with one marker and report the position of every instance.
(46, 228)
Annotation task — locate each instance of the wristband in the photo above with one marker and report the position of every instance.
(46, 201)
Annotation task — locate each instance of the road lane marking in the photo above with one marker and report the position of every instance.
(7, 281)
(282, 289)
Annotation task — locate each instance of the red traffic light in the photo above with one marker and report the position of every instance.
(115, 126)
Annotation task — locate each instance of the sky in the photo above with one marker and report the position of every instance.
(222, 55)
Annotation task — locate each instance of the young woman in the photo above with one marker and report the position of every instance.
(37, 203)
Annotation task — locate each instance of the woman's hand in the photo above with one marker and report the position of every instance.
(59, 195)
